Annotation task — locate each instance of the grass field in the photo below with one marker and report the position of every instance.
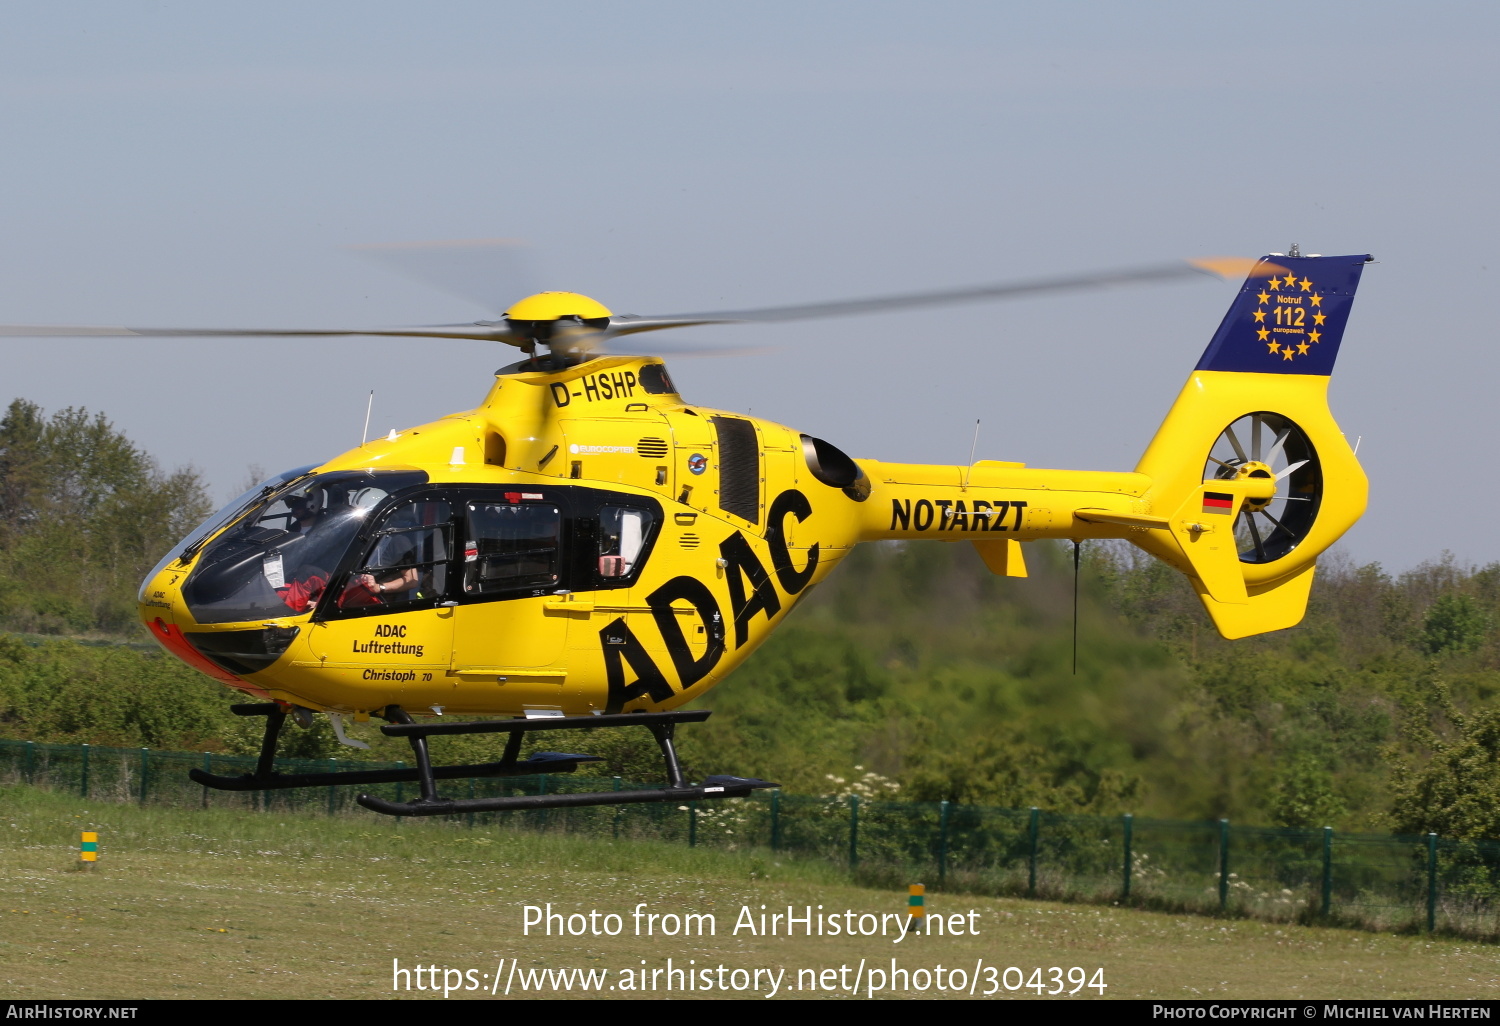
(226, 904)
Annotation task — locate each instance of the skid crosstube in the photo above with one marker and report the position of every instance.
(662, 726)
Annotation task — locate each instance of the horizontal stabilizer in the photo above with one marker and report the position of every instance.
(1207, 544)
(1141, 520)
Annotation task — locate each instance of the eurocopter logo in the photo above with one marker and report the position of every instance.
(1289, 316)
(586, 450)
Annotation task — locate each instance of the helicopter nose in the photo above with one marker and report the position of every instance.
(171, 638)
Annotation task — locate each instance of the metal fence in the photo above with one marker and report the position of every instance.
(1383, 882)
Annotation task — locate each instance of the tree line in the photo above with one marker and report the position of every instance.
(84, 514)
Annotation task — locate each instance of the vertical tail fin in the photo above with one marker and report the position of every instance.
(1249, 468)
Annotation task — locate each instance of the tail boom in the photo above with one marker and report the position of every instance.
(1244, 518)
(997, 505)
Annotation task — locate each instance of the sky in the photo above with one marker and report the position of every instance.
(185, 164)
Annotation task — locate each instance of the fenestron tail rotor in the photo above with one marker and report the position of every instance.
(1271, 447)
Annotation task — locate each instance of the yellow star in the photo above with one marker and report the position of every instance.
(1314, 335)
(1260, 316)
(1286, 353)
(1274, 346)
(1263, 297)
(1319, 318)
(1303, 347)
(1317, 300)
(1274, 285)
(1306, 285)
(1289, 280)
(1263, 334)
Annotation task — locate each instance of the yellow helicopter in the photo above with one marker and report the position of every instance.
(587, 548)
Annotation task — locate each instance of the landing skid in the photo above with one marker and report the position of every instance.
(661, 725)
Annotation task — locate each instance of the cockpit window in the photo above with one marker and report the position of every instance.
(188, 547)
(278, 559)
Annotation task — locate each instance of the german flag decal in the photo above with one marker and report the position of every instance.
(1218, 502)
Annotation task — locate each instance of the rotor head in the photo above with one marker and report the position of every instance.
(536, 317)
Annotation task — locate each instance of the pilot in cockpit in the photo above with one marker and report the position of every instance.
(303, 514)
(305, 582)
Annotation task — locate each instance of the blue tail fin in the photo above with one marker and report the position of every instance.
(1288, 318)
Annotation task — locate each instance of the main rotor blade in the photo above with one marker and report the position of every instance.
(678, 348)
(490, 272)
(479, 331)
(576, 340)
(629, 324)
(586, 341)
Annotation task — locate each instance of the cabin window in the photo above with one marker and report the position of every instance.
(623, 533)
(406, 565)
(510, 547)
